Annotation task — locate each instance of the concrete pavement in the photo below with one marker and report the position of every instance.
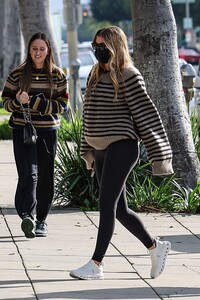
(39, 268)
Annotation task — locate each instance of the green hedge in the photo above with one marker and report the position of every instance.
(5, 131)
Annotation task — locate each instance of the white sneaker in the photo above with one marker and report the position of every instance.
(158, 257)
(88, 271)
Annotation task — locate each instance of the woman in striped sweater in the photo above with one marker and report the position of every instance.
(39, 87)
(118, 113)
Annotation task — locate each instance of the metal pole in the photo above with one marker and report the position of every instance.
(72, 16)
(187, 8)
(76, 63)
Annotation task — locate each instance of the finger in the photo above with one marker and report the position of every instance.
(18, 93)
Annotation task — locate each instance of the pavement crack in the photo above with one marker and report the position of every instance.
(20, 255)
(191, 269)
(135, 270)
(172, 215)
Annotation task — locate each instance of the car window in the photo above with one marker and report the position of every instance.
(64, 59)
(85, 58)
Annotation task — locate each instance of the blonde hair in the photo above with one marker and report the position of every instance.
(116, 42)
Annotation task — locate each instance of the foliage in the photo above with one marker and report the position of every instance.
(3, 111)
(120, 10)
(65, 132)
(162, 194)
(5, 131)
(88, 28)
(195, 123)
(75, 187)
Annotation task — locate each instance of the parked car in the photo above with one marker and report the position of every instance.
(87, 59)
(190, 55)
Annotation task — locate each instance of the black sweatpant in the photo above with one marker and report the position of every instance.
(113, 166)
(35, 167)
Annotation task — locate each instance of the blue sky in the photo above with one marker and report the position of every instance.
(56, 5)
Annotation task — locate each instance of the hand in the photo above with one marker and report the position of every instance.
(93, 169)
(22, 97)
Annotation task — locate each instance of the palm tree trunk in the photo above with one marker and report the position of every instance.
(35, 16)
(156, 56)
(10, 36)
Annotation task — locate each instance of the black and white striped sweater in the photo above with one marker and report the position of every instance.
(132, 116)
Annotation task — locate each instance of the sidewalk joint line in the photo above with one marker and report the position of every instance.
(21, 257)
(171, 214)
(127, 260)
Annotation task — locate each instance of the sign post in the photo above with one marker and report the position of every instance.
(187, 21)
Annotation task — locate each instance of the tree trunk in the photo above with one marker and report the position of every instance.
(2, 20)
(11, 46)
(156, 56)
(35, 16)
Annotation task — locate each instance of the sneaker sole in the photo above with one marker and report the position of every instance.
(27, 227)
(86, 278)
(164, 254)
(40, 234)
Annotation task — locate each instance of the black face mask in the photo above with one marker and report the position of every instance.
(102, 55)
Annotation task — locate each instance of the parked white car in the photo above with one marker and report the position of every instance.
(87, 59)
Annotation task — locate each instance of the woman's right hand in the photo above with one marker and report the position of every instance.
(22, 97)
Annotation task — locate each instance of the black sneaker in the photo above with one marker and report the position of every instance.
(28, 227)
(41, 228)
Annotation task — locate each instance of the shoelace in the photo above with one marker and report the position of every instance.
(41, 225)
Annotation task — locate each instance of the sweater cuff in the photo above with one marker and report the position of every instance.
(162, 167)
(38, 102)
(17, 103)
(89, 159)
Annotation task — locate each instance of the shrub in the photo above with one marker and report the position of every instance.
(5, 131)
(74, 186)
(195, 124)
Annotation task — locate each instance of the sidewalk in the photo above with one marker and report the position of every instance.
(39, 268)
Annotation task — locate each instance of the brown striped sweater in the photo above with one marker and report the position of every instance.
(44, 108)
(132, 116)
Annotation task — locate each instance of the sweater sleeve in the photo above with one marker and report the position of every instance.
(86, 151)
(149, 125)
(55, 105)
(9, 92)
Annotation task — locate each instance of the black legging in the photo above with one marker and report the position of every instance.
(113, 166)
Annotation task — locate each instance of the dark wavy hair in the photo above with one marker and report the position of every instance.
(27, 65)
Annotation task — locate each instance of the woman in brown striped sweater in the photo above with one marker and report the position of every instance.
(118, 113)
(39, 87)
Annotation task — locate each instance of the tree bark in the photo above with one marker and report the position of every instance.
(156, 56)
(35, 16)
(2, 20)
(11, 46)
